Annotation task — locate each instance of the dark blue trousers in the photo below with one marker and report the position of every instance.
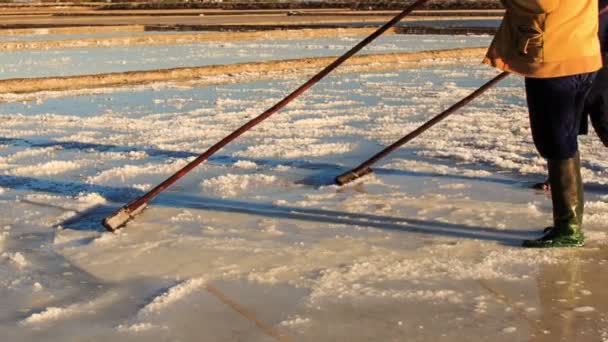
(596, 106)
(556, 106)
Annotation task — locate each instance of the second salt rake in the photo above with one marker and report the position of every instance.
(365, 169)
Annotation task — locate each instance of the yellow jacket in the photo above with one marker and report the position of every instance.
(547, 38)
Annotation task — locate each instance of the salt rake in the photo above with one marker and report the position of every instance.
(135, 207)
(365, 169)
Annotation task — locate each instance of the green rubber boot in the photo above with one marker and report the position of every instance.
(568, 206)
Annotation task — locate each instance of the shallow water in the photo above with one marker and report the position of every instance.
(66, 62)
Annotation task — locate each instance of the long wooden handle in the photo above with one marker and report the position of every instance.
(122, 216)
(364, 168)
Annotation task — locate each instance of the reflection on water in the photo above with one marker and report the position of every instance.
(573, 297)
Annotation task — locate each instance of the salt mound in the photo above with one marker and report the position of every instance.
(232, 185)
(244, 164)
(90, 198)
(16, 258)
(296, 148)
(50, 314)
(173, 295)
(46, 169)
(138, 327)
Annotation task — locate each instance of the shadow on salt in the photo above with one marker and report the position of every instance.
(91, 218)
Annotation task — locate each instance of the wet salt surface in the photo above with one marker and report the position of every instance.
(424, 248)
(66, 62)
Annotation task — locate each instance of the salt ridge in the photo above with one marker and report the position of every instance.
(173, 295)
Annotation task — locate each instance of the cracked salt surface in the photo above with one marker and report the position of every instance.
(429, 240)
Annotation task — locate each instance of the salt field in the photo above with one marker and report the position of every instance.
(258, 244)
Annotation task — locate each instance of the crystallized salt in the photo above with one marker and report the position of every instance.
(91, 198)
(49, 314)
(17, 259)
(232, 185)
(139, 327)
(418, 238)
(244, 164)
(173, 295)
(295, 321)
(51, 168)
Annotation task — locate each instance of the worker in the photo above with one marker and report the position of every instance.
(554, 44)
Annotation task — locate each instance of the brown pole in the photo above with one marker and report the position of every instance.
(364, 168)
(126, 213)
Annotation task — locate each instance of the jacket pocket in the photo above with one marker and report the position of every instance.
(527, 31)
